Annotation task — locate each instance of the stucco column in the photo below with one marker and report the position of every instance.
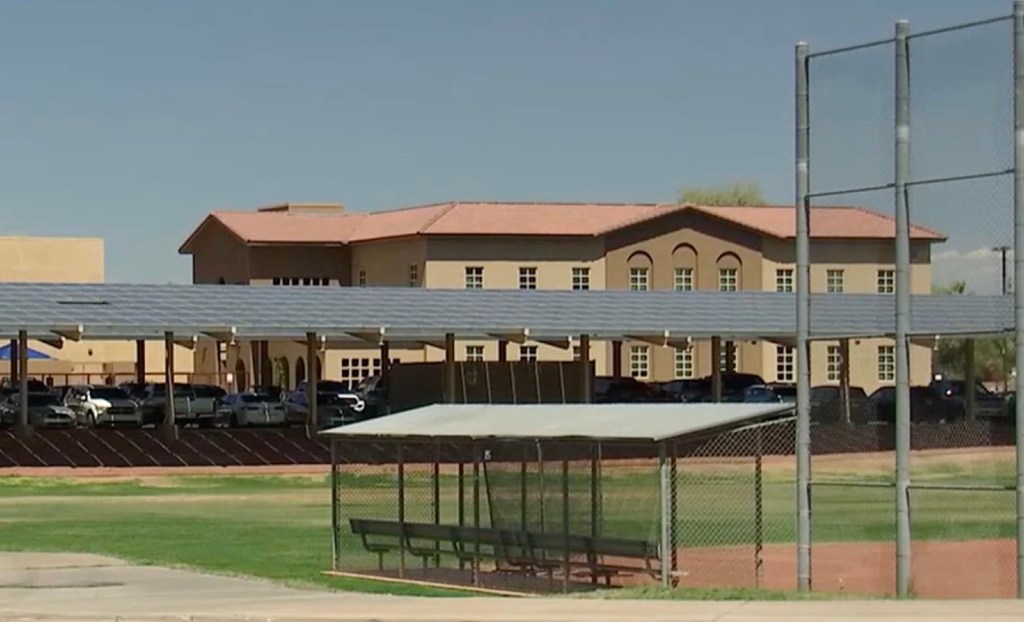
(140, 361)
(616, 359)
(169, 426)
(716, 369)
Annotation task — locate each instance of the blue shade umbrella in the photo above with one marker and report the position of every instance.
(5, 353)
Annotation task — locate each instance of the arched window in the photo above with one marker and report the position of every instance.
(241, 376)
(729, 272)
(300, 370)
(684, 266)
(641, 271)
(282, 371)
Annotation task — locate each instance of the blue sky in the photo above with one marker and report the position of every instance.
(132, 119)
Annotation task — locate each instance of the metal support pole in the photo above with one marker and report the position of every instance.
(584, 365)
(523, 494)
(140, 361)
(1018, 269)
(14, 363)
(502, 351)
(616, 359)
(313, 417)
(803, 324)
(673, 512)
(716, 369)
(970, 395)
(664, 494)
(169, 414)
(449, 368)
(335, 509)
(759, 508)
(900, 179)
(566, 570)
(461, 498)
(595, 490)
(400, 457)
(23, 380)
(476, 514)
(844, 377)
(435, 501)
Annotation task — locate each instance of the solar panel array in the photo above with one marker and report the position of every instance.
(121, 311)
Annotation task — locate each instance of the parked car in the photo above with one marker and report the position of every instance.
(760, 394)
(102, 405)
(188, 407)
(251, 409)
(986, 403)
(34, 386)
(274, 392)
(686, 389)
(625, 390)
(926, 405)
(827, 405)
(44, 411)
(336, 405)
(135, 390)
(786, 392)
(374, 395)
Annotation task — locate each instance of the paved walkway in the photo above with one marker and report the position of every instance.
(56, 587)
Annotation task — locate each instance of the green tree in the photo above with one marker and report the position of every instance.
(993, 358)
(736, 193)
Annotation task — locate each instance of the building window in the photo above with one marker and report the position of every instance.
(640, 361)
(785, 364)
(684, 279)
(784, 280)
(886, 363)
(276, 280)
(729, 358)
(361, 278)
(474, 277)
(581, 278)
(684, 363)
(833, 364)
(355, 370)
(414, 275)
(728, 279)
(474, 353)
(886, 281)
(528, 353)
(834, 281)
(527, 278)
(575, 353)
(638, 279)
(306, 281)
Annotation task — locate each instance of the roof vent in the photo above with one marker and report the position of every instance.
(315, 209)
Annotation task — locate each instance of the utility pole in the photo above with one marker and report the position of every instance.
(1002, 250)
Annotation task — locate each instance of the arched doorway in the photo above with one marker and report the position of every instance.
(282, 372)
(300, 371)
(241, 376)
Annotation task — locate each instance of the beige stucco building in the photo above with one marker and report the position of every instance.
(75, 260)
(560, 246)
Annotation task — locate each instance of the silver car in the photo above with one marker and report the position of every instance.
(44, 411)
(101, 405)
(250, 409)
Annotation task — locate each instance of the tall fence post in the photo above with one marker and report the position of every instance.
(335, 508)
(803, 325)
(900, 179)
(1018, 269)
(664, 501)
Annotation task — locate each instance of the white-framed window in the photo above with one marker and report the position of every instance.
(474, 353)
(683, 280)
(639, 279)
(289, 280)
(886, 281)
(361, 278)
(684, 363)
(581, 278)
(835, 281)
(474, 277)
(414, 275)
(355, 369)
(640, 361)
(527, 278)
(833, 363)
(729, 360)
(785, 364)
(528, 353)
(784, 280)
(576, 352)
(886, 363)
(728, 279)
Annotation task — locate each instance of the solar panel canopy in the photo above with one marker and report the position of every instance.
(608, 422)
(360, 314)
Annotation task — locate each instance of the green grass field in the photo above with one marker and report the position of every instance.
(278, 528)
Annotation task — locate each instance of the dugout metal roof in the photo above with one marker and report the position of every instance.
(606, 422)
(361, 314)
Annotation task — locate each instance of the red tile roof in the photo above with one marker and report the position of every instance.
(537, 219)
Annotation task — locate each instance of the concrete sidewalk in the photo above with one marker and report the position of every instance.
(55, 587)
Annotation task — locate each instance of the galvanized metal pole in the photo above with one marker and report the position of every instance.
(664, 499)
(335, 509)
(803, 325)
(23, 421)
(312, 416)
(169, 414)
(400, 457)
(970, 395)
(900, 179)
(1018, 268)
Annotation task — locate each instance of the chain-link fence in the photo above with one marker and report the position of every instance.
(546, 515)
(917, 132)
